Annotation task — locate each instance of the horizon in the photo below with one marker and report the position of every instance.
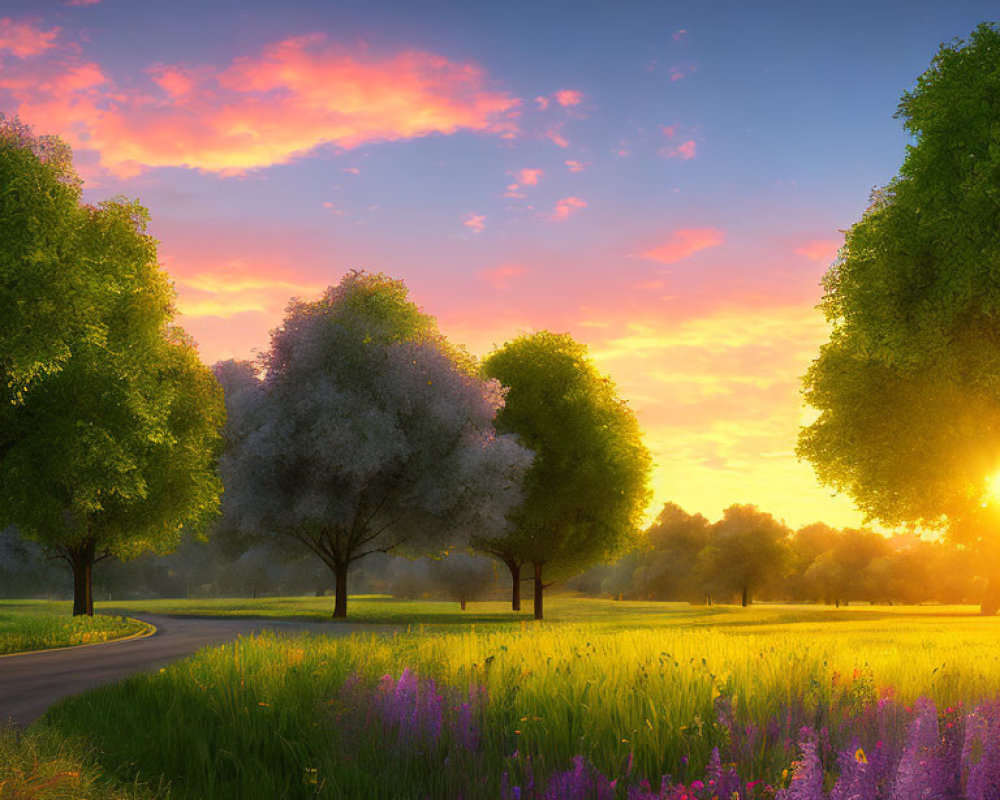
(665, 183)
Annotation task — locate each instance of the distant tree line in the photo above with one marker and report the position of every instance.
(748, 555)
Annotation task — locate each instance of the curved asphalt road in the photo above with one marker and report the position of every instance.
(30, 683)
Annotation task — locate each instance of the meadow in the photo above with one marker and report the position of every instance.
(37, 625)
(588, 704)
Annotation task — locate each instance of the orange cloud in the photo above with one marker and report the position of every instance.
(23, 39)
(576, 166)
(565, 207)
(174, 81)
(501, 277)
(824, 250)
(297, 95)
(568, 97)
(475, 222)
(529, 177)
(237, 288)
(685, 242)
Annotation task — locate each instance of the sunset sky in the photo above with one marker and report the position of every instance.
(665, 181)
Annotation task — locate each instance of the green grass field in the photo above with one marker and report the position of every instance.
(268, 717)
(37, 625)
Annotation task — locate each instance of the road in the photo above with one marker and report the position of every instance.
(31, 682)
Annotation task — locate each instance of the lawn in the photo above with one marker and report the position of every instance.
(632, 690)
(38, 625)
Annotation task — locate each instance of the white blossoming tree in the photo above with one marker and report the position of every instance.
(365, 432)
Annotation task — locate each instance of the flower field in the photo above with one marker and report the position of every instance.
(770, 703)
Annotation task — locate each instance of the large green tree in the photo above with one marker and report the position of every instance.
(587, 488)
(908, 387)
(111, 423)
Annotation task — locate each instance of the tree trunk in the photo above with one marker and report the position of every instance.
(515, 591)
(991, 598)
(82, 561)
(539, 588)
(340, 605)
(463, 605)
(708, 599)
(746, 595)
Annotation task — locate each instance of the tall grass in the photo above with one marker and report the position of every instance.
(47, 767)
(266, 717)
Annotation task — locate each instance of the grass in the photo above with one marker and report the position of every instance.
(43, 766)
(383, 609)
(37, 625)
(266, 717)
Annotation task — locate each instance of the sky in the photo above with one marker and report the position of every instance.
(665, 181)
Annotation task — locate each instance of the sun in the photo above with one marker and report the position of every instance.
(991, 490)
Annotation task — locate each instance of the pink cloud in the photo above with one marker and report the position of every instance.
(475, 222)
(556, 137)
(679, 34)
(529, 177)
(543, 103)
(501, 277)
(680, 72)
(568, 97)
(23, 39)
(82, 2)
(824, 250)
(576, 166)
(685, 151)
(297, 95)
(567, 206)
(352, 170)
(685, 242)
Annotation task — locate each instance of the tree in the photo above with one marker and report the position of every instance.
(587, 488)
(464, 577)
(908, 387)
(748, 554)
(368, 433)
(114, 453)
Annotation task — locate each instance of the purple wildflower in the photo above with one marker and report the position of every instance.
(981, 753)
(920, 775)
(807, 773)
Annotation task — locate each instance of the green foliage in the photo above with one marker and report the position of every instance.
(908, 387)
(118, 447)
(587, 487)
(109, 430)
(39, 291)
